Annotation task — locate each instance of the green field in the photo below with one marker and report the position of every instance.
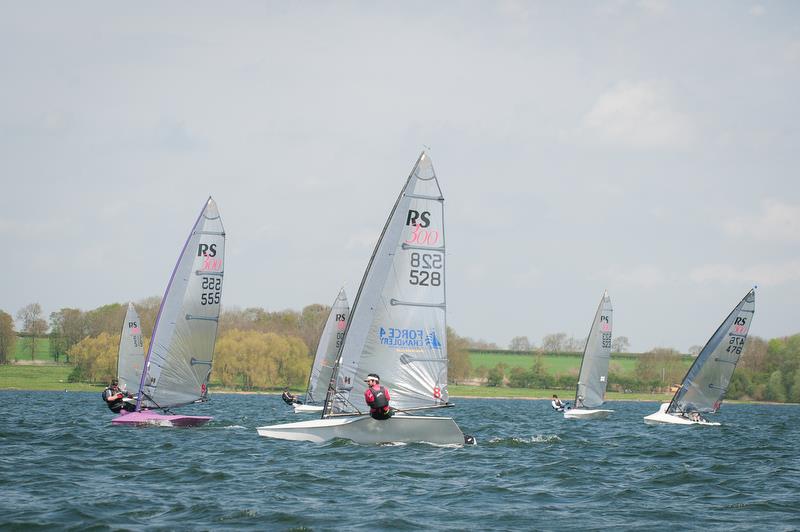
(22, 349)
(554, 363)
(13, 377)
(532, 393)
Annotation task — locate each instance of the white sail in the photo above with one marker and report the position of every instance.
(397, 327)
(329, 343)
(593, 376)
(706, 382)
(130, 360)
(179, 360)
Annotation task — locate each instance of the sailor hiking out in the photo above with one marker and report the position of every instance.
(377, 398)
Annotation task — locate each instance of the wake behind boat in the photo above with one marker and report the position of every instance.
(707, 380)
(593, 375)
(397, 329)
(178, 363)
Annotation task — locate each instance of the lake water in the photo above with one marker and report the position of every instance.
(63, 465)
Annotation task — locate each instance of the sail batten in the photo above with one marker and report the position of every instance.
(179, 360)
(400, 304)
(704, 386)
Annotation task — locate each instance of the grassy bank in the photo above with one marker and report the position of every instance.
(41, 378)
(533, 393)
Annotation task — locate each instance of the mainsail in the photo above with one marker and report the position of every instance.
(706, 382)
(593, 376)
(178, 362)
(397, 327)
(327, 349)
(131, 351)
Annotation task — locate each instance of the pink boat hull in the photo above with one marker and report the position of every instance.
(148, 417)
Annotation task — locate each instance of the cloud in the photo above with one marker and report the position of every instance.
(778, 222)
(762, 274)
(757, 10)
(638, 115)
(645, 275)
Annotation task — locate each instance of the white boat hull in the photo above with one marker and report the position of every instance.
(586, 413)
(307, 409)
(662, 417)
(365, 430)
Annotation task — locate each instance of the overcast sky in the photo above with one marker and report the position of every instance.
(645, 147)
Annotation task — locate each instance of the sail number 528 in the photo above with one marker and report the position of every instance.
(424, 269)
(213, 285)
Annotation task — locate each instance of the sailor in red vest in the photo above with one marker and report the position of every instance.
(377, 398)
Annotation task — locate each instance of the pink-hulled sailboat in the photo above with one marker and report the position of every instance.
(178, 363)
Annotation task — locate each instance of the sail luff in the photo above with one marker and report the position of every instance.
(161, 308)
(709, 349)
(354, 309)
(328, 347)
(593, 374)
(583, 357)
(130, 356)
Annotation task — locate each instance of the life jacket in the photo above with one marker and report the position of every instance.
(379, 402)
(115, 405)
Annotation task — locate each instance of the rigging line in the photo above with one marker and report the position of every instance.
(166, 410)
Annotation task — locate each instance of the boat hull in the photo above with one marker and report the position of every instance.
(586, 413)
(307, 409)
(662, 417)
(150, 418)
(365, 430)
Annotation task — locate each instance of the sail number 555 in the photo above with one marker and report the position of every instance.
(213, 285)
(425, 269)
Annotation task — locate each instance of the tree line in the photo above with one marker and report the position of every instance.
(255, 348)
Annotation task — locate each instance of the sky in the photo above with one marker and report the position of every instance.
(649, 148)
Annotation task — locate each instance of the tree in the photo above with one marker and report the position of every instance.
(497, 375)
(32, 324)
(554, 343)
(520, 343)
(695, 350)
(67, 328)
(660, 366)
(8, 337)
(620, 344)
(775, 388)
(458, 363)
(254, 359)
(95, 358)
(754, 355)
(574, 345)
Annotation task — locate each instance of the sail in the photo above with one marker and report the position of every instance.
(593, 377)
(397, 325)
(179, 359)
(131, 352)
(327, 349)
(707, 380)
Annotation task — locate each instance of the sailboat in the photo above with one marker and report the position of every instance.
(329, 343)
(397, 329)
(178, 362)
(130, 357)
(707, 380)
(593, 376)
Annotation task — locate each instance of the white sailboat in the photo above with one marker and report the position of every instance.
(130, 357)
(397, 329)
(593, 377)
(329, 343)
(178, 363)
(707, 380)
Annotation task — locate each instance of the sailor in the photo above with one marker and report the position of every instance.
(114, 398)
(289, 398)
(377, 398)
(557, 404)
(579, 402)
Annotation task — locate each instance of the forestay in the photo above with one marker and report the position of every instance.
(131, 352)
(593, 377)
(179, 360)
(397, 327)
(327, 349)
(706, 382)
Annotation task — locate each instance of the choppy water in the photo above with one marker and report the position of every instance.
(62, 465)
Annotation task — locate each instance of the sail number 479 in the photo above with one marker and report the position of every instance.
(213, 285)
(425, 269)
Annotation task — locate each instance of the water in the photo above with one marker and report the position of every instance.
(63, 465)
